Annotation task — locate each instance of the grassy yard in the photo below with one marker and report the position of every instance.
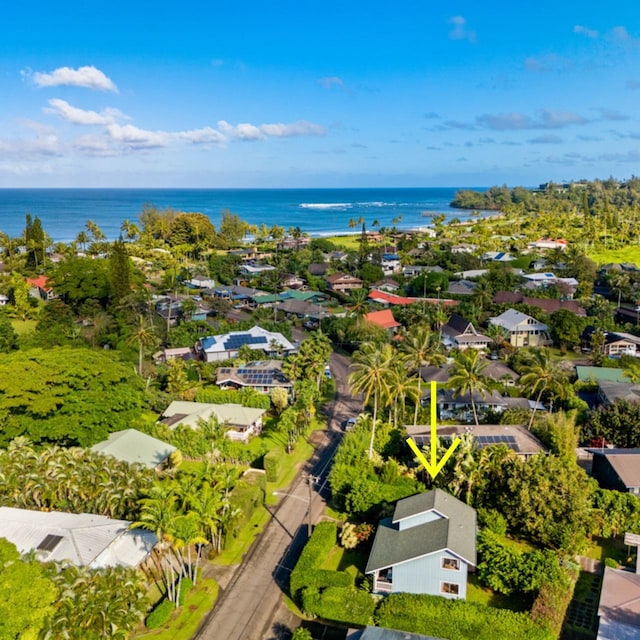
(602, 548)
(625, 254)
(483, 595)
(185, 621)
(237, 547)
(348, 241)
(350, 560)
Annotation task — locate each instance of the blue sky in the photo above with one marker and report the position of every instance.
(296, 94)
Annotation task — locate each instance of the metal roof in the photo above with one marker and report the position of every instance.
(85, 539)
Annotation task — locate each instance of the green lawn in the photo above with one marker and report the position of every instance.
(185, 621)
(483, 595)
(350, 241)
(350, 560)
(239, 545)
(625, 254)
(602, 548)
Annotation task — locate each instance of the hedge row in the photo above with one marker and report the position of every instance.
(339, 604)
(247, 495)
(273, 462)
(318, 547)
(456, 619)
(160, 615)
(553, 599)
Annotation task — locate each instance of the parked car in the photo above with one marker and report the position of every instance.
(350, 424)
(327, 372)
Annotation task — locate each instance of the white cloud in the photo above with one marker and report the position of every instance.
(612, 114)
(136, 138)
(544, 119)
(328, 82)
(549, 138)
(460, 30)
(295, 129)
(247, 131)
(88, 77)
(62, 109)
(621, 35)
(585, 31)
(206, 135)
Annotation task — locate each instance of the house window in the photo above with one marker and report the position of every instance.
(451, 563)
(450, 588)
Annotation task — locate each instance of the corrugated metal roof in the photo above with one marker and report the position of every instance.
(132, 446)
(87, 539)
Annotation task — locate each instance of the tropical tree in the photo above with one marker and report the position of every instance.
(467, 377)
(371, 376)
(542, 375)
(144, 336)
(422, 347)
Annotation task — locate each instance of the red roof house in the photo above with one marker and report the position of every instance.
(383, 319)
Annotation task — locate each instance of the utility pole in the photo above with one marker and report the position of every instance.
(310, 480)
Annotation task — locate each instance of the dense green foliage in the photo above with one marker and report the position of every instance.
(618, 423)
(340, 604)
(160, 615)
(247, 397)
(455, 619)
(273, 462)
(247, 496)
(73, 479)
(66, 395)
(28, 595)
(96, 603)
(506, 569)
(364, 487)
(553, 599)
(320, 543)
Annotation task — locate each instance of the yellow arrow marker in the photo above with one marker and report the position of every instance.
(434, 467)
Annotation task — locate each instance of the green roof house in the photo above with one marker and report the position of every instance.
(132, 446)
(428, 546)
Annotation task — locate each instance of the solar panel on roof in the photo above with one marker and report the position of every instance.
(49, 543)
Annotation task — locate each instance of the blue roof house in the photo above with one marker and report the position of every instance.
(428, 546)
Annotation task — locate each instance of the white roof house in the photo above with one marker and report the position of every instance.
(83, 539)
(132, 446)
(226, 346)
(242, 422)
(523, 330)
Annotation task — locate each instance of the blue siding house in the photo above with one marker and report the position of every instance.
(428, 546)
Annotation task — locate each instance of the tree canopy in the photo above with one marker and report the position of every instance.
(66, 395)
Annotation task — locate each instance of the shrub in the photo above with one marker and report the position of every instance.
(186, 584)
(611, 563)
(550, 606)
(455, 619)
(247, 496)
(493, 520)
(160, 615)
(273, 464)
(316, 550)
(340, 604)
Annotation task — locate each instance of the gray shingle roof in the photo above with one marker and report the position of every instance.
(455, 531)
(380, 633)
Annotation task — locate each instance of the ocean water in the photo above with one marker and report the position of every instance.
(318, 212)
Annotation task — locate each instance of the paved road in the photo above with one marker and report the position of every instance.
(250, 607)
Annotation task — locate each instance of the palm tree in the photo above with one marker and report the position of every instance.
(541, 374)
(421, 347)
(402, 387)
(143, 335)
(371, 372)
(467, 377)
